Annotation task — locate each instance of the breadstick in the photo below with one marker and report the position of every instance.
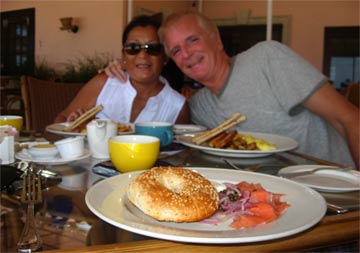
(215, 131)
(221, 128)
(83, 118)
(232, 117)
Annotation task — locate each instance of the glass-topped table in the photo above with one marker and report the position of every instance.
(65, 222)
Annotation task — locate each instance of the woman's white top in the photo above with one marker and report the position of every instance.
(117, 99)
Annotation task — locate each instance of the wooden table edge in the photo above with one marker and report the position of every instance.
(337, 229)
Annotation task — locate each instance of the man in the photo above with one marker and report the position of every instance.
(277, 90)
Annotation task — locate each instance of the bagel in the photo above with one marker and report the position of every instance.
(173, 194)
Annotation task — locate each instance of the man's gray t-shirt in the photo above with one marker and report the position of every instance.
(268, 83)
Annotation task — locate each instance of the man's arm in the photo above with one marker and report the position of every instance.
(116, 68)
(341, 114)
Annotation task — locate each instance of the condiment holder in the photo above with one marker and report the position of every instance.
(71, 147)
(43, 151)
(7, 144)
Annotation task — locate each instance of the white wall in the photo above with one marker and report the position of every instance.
(100, 28)
(101, 22)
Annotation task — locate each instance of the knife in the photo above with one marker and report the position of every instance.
(335, 208)
(309, 172)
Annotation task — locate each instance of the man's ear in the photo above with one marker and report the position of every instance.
(219, 42)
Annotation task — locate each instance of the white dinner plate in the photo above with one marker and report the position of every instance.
(326, 180)
(57, 160)
(187, 128)
(58, 128)
(282, 144)
(108, 200)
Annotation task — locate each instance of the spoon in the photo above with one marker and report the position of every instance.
(233, 166)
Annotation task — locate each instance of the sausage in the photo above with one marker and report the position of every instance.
(222, 139)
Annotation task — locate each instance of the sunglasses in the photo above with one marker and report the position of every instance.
(135, 48)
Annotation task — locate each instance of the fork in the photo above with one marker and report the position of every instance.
(31, 194)
(250, 168)
(312, 171)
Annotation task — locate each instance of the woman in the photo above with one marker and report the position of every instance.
(145, 96)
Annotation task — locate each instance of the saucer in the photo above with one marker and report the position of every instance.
(24, 155)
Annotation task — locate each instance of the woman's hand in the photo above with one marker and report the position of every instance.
(74, 115)
(116, 69)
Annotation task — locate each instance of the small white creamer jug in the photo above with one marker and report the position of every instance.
(99, 131)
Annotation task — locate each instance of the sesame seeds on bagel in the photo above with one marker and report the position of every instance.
(173, 194)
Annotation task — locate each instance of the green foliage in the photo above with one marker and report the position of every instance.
(83, 68)
(44, 71)
(79, 70)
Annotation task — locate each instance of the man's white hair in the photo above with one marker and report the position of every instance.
(208, 25)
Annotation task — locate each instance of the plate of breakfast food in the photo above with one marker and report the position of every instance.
(60, 128)
(78, 126)
(223, 140)
(236, 208)
(241, 144)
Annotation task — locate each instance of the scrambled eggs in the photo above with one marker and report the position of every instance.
(250, 140)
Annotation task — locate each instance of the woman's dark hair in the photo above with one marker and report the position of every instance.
(142, 20)
(170, 71)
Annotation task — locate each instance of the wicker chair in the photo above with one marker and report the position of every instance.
(43, 100)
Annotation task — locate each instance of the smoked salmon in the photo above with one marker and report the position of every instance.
(248, 205)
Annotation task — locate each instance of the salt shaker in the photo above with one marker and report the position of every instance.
(7, 145)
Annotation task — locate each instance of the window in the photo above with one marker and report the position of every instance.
(241, 32)
(341, 55)
(238, 38)
(17, 42)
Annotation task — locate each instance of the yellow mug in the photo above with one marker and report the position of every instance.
(133, 152)
(12, 120)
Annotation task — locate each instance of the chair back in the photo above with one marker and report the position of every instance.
(352, 93)
(43, 100)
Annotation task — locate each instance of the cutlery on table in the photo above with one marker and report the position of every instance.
(251, 168)
(314, 159)
(312, 171)
(31, 194)
(337, 209)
